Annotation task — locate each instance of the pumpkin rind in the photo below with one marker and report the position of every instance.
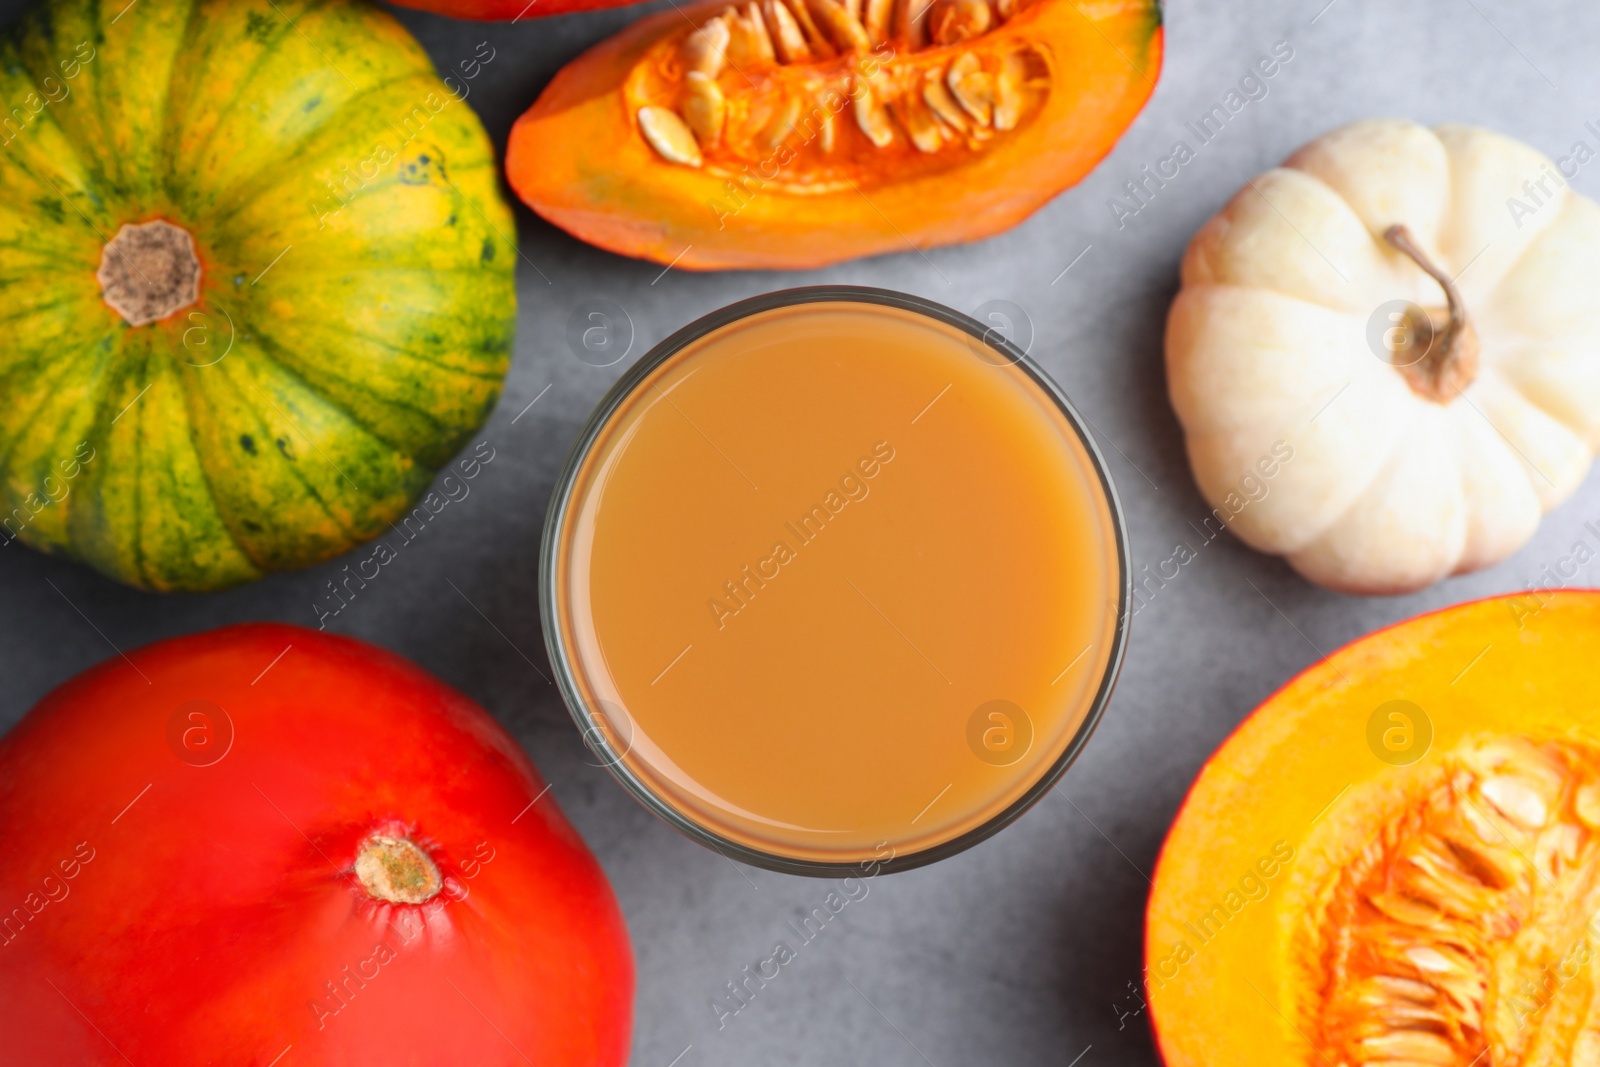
(1269, 340)
(356, 300)
(579, 158)
(1299, 777)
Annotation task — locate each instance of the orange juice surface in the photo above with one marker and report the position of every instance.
(837, 576)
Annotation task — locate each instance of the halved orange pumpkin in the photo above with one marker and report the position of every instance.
(796, 133)
(1396, 858)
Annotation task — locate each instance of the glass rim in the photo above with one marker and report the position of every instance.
(556, 514)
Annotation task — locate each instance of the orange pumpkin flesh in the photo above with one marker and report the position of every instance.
(835, 134)
(1316, 903)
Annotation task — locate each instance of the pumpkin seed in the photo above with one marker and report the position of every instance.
(939, 100)
(1008, 92)
(1567, 841)
(877, 19)
(1405, 909)
(1408, 1046)
(787, 40)
(1587, 804)
(814, 36)
(1389, 986)
(705, 51)
(845, 29)
(745, 124)
(783, 123)
(754, 41)
(920, 125)
(911, 21)
(826, 132)
(669, 136)
(872, 117)
(953, 21)
(704, 108)
(1516, 800)
(1429, 959)
(972, 87)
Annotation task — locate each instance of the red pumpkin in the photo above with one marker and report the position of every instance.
(265, 845)
(514, 10)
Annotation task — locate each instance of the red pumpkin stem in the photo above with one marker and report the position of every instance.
(1440, 359)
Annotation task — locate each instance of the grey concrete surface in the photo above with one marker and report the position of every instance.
(1021, 951)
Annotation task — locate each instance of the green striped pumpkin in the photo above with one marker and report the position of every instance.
(355, 305)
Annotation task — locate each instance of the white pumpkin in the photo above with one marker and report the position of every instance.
(1398, 475)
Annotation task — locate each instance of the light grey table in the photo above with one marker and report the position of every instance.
(1021, 950)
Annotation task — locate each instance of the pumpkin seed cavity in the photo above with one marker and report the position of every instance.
(1461, 935)
(769, 75)
(148, 271)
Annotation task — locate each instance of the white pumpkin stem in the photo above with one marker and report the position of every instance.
(1443, 349)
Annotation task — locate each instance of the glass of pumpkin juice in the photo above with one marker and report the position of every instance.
(835, 577)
